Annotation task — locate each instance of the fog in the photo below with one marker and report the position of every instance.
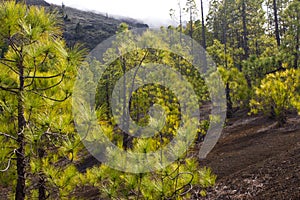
(155, 13)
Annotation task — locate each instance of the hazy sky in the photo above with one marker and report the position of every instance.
(152, 12)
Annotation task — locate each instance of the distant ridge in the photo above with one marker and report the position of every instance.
(35, 2)
(87, 28)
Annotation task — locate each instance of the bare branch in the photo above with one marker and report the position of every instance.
(52, 99)
(9, 89)
(50, 87)
(9, 136)
(46, 55)
(182, 187)
(45, 77)
(9, 161)
(136, 71)
(7, 167)
(14, 47)
(34, 73)
(10, 67)
(35, 69)
(276, 70)
(8, 60)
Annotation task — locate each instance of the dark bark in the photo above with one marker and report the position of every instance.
(229, 102)
(225, 34)
(245, 39)
(203, 26)
(180, 22)
(297, 48)
(41, 186)
(227, 89)
(277, 34)
(191, 29)
(203, 37)
(245, 31)
(127, 139)
(21, 164)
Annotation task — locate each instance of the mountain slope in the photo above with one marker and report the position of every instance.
(84, 27)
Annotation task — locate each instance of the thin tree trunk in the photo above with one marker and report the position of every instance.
(20, 188)
(180, 22)
(297, 47)
(191, 29)
(227, 89)
(245, 31)
(203, 38)
(41, 186)
(245, 40)
(127, 139)
(228, 101)
(203, 26)
(277, 34)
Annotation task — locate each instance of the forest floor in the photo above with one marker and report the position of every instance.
(256, 159)
(253, 159)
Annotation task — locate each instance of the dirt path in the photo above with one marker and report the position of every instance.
(255, 159)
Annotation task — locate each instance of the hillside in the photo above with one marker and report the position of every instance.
(84, 27)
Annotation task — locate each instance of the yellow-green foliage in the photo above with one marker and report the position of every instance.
(34, 43)
(237, 84)
(277, 93)
(239, 91)
(173, 182)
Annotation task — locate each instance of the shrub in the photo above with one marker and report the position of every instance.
(277, 94)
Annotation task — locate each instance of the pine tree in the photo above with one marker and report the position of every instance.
(291, 38)
(35, 85)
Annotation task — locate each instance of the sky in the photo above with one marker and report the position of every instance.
(153, 12)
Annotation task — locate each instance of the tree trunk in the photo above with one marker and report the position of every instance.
(127, 139)
(245, 31)
(227, 89)
(191, 29)
(20, 188)
(228, 102)
(297, 47)
(277, 34)
(203, 38)
(245, 39)
(203, 26)
(41, 186)
(180, 22)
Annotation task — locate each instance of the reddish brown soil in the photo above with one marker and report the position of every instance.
(255, 159)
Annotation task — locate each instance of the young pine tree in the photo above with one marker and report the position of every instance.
(36, 127)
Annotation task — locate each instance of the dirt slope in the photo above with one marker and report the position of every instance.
(255, 159)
